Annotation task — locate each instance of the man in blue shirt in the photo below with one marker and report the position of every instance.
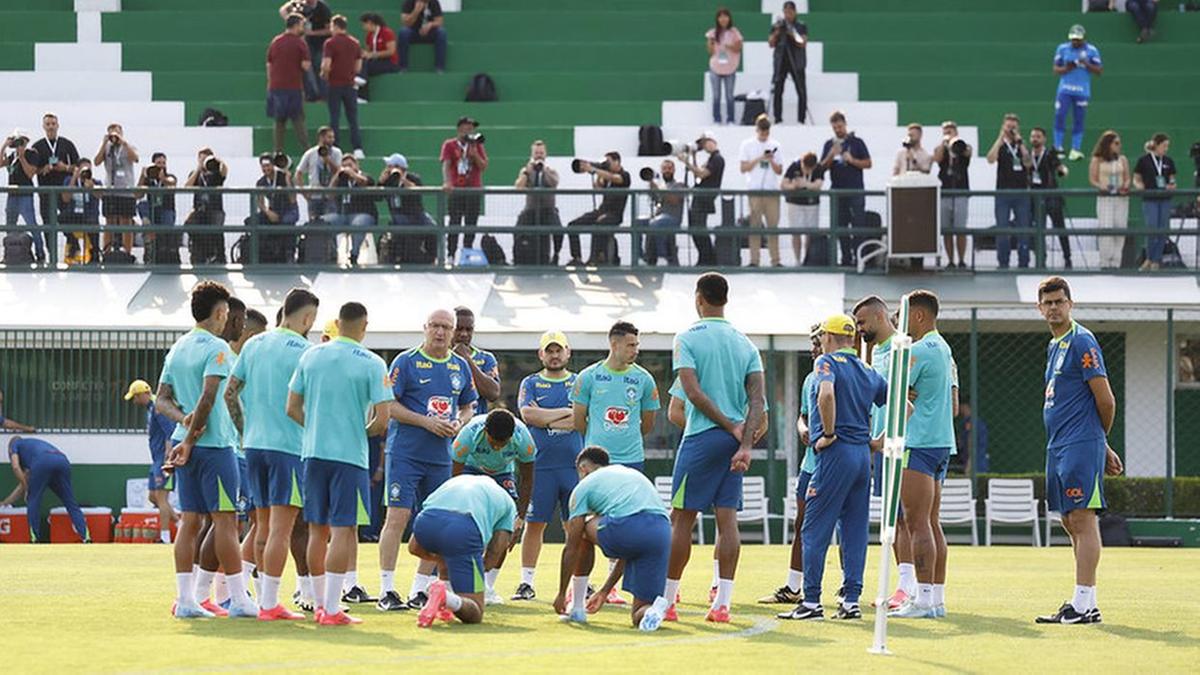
(845, 157)
(39, 466)
(159, 429)
(544, 400)
(840, 416)
(485, 369)
(339, 395)
(1075, 61)
(435, 396)
(1078, 411)
(721, 374)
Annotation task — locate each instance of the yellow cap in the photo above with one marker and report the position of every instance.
(137, 387)
(838, 324)
(553, 337)
(331, 329)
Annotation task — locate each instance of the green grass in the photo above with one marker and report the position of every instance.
(104, 609)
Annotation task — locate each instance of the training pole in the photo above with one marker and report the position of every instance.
(896, 414)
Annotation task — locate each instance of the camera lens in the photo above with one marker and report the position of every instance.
(646, 173)
(212, 164)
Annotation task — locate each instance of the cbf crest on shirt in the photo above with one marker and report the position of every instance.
(615, 402)
(432, 387)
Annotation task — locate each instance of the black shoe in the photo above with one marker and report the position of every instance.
(848, 612)
(524, 592)
(302, 604)
(574, 262)
(357, 596)
(803, 613)
(1067, 263)
(417, 601)
(1067, 614)
(783, 595)
(591, 591)
(962, 265)
(392, 602)
(841, 595)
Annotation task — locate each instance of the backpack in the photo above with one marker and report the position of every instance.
(318, 248)
(482, 88)
(18, 249)
(211, 117)
(492, 250)
(650, 141)
(115, 255)
(753, 108)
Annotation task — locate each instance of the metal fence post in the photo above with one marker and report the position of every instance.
(1170, 444)
(635, 243)
(251, 256)
(835, 226)
(51, 226)
(1039, 225)
(441, 221)
(973, 438)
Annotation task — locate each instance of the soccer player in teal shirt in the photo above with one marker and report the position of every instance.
(485, 369)
(190, 394)
(618, 508)
(257, 395)
(721, 374)
(339, 394)
(464, 526)
(1078, 410)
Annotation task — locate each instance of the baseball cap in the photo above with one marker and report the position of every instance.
(396, 159)
(467, 120)
(838, 324)
(1076, 33)
(331, 329)
(706, 135)
(137, 387)
(553, 337)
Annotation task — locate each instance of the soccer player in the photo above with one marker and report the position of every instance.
(252, 323)
(159, 429)
(190, 392)
(544, 400)
(339, 394)
(930, 440)
(721, 374)
(464, 526)
(257, 397)
(615, 401)
(39, 466)
(436, 396)
(840, 415)
(485, 370)
(1078, 411)
(617, 508)
(488, 445)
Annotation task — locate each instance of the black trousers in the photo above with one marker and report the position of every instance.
(537, 247)
(698, 225)
(783, 70)
(1052, 208)
(604, 246)
(464, 210)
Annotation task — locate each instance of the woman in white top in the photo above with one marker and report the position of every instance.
(1109, 173)
(724, 55)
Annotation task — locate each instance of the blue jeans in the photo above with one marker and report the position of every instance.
(314, 86)
(1076, 104)
(664, 244)
(1144, 12)
(21, 206)
(348, 97)
(1157, 214)
(717, 81)
(356, 220)
(1019, 206)
(437, 36)
(851, 212)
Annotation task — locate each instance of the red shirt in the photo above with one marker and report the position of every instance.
(343, 52)
(463, 172)
(377, 42)
(285, 58)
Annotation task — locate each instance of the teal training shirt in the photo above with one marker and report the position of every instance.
(193, 357)
(471, 447)
(881, 361)
(340, 381)
(265, 368)
(615, 491)
(932, 421)
(809, 464)
(480, 497)
(722, 358)
(615, 403)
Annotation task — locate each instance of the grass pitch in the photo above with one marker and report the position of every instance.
(105, 609)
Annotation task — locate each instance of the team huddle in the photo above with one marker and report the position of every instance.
(308, 421)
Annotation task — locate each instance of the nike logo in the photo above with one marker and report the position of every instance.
(426, 380)
(539, 399)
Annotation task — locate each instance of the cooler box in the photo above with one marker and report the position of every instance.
(14, 526)
(99, 523)
(139, 526)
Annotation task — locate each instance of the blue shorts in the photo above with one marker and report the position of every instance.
(455, 537)
(208, 483)
(505, 480)
(159, 479)
(643, 541)
(929, 461)
(410, 481)
(802, 485)
(702, 478)
(276, 478)
(284, 104)
(552, 487)
(336, 493)
(245, 503)
(1075, 476)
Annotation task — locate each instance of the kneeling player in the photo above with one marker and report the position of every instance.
(618, 508)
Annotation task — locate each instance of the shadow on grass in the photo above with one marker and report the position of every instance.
(1173, 638)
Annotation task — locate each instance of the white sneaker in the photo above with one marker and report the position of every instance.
(491, 597)
(653, 617)
(359, 154)
(360, 81)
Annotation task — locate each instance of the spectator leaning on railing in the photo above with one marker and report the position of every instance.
(1109, 173)
(805, 174)
(287, 61)
(275, 207)
(357, 210)
(423, 23)
(464, 160)
(1045, 170)
(1011, 158)
(158, 208)
(953, 157)
(708, 177)
(407, 208)
(341, 62)
(760, 160)
(1154, 176)
(118, 156)
(845, 157)
(724, 44)
(540, 209)
(379, 55)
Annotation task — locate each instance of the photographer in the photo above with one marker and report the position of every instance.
(407, 209)
(58, 159)
(1011, 158)
(81, 207)
(668, 214)
(760, 161)
(953, 157)
(789, 39)
(158, 208)
(708, 177)
(912, 156)
(208, 208)
(607, 175)
(357, 211)
(464, 160)
(275, 207)
(845, 157)
(289, 67)
(22, 163)
(1045, 170)
(118, 158)
(317, 167)
(539, 209)
(1154, 176)
(805, 210)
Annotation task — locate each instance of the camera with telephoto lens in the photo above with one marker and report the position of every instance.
(958, 147)
(577, 165)
(153, 172)
(18, 141)
(539, 165)
(679, 148)
(647, 174)
(296, 7)
(114, 139)
(476, 138)
(281, 160)
(85, 175)
(322, 151)
(212, 164)
(908, 143)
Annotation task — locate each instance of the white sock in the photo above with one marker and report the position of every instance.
(185, 588)
(351, 579)
(579, 591)
(237, 589)
(908, 578)
(672, 590)
(1085, 598)
(195, 569)
(268, 598)
(318, 591)
(724, 593)
(164, 536)
(300, 584)
(795, 580)
(306, 588)
(220, 588)
(612, 565)
(454, 602)
(421, 583)
(387, 581)
(925, 595)
(939, 595)
(716, 573)
(333, 592)
(204, 580)
(489, 578)
(527, 575)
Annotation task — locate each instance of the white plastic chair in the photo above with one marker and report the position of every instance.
(958, 506)
(1052, 517)
(663, 485)
(755, 507)
(1010, 501)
